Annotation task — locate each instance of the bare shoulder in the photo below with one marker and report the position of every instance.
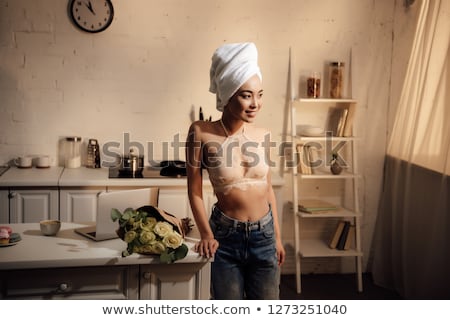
(203, 130)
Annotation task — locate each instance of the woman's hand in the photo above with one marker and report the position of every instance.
(281, 253)
(207, 247)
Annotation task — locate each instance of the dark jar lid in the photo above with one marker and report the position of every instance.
(337, 64)
(74, 139)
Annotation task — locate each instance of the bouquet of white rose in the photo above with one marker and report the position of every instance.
(150, 230)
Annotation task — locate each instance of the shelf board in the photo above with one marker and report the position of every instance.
(323, 174)
(318, 248)
(323, 138)
(326, 100)
(340, 213)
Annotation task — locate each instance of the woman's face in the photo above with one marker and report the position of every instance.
(247, 101)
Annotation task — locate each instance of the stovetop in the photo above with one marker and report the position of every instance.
(147, 172)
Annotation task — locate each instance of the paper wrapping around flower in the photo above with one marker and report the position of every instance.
(176, 222)
(151, 230)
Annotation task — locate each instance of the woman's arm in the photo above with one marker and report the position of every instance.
(207, 245)
(281, 254)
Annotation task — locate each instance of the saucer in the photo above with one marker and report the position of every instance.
(8, 244)
(27, 167)
(16, 238)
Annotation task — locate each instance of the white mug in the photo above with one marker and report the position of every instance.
(23, 162)
(43, 162)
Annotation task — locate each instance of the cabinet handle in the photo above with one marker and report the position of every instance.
(63, 287)
(12, 195)
(147, 275)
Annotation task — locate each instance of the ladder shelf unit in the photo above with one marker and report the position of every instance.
(336, 117)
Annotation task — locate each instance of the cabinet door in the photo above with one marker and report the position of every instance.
(178, 281)
(79, 205)
(111, 282)
(33, 205)
(176, 201)
(4, 206)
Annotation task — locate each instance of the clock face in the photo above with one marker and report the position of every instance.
(91, 15)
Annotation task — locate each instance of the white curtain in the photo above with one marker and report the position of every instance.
(412, 235)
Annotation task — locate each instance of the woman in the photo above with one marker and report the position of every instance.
(243, 232)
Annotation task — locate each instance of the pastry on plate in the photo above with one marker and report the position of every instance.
(4, 235)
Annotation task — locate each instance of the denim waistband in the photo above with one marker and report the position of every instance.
(228, 222)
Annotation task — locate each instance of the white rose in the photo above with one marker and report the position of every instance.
(173, 240)
(158, 247)
(148, 223)
(163, 228)
(147, 237)
(130, 236)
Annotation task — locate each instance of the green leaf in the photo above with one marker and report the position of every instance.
(181, 252)
(167, 257)
(115, 214)
(170, 255)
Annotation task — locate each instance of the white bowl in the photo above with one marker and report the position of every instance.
(50, 227)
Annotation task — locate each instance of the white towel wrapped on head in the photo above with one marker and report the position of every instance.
(232, 65)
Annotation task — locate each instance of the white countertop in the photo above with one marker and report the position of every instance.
(69, 249)
(31, 177)
(85, 177)
(99, 177)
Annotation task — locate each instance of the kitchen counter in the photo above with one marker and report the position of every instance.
(31, 195)
(86, 177)
(69, 266)
(99, 177)
(31, 177)
(69, 249)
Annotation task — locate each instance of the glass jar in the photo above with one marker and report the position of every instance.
(336, 79)
(72, 152)
(313, 85)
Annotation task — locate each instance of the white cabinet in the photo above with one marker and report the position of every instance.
(176, 201)
(33, 205)
(313, 181)
(112, 282)
(79, 204)
(176, 281)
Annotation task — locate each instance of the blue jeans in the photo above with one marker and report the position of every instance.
(245, 264)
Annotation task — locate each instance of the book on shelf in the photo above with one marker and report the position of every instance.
(336, 121)
(313, 158)
(340, 121)
(303, 164)
(337, 234)
(343, 237)
(350, 241)
(348, 126)
(316, 206)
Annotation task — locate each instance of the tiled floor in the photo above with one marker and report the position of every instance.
(333, 287)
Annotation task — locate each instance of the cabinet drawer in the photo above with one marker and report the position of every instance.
(71, 283)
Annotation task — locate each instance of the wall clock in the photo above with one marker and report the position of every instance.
(91, 15)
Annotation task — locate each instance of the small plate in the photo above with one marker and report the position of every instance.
(20, 167)
(8, 244)
(11, 243)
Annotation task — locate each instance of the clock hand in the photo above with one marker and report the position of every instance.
(89, 6)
